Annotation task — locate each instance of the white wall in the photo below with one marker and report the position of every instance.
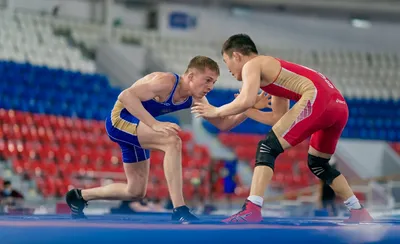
(131, 17)
(308, 31)
(87, 10)
(71, 8)
(212, 23)
(283, 30)
(215, 23)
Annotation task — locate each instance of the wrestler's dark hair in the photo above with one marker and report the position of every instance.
(241, 43)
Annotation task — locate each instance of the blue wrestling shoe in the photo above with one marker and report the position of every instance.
(183, 214)
(76, 203)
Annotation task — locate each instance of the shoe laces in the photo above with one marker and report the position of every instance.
(243, 209)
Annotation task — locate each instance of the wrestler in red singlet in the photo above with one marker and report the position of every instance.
(320, 112)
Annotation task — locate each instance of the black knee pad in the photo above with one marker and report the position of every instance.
(321, 168)
(268, 150)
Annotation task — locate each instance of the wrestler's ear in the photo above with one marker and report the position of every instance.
(236, 56)
(190, 75)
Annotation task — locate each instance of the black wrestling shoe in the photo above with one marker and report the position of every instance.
(183, 214)
(76, 203)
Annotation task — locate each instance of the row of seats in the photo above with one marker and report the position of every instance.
(58, 150)
(341, 72)
(354, 72)
(90, 31)
(44, 90)
(26, 39)
(154, 39)
(291, 170)
(54, 159)
(89, 34)
(368, 119)
(352, 82)
(74, 94)
(186, 48)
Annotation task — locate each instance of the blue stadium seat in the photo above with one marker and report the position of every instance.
(168, 118)
(40, 89)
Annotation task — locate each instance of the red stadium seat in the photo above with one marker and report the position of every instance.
(9, 117)
(227, 139)
(32, 135)
(69, 123)
(50, 169)
(285, 167)
(61, 148)
(20, 117)
(18, 166)
(396, 147)
(3, 115)
(67, 170)
(245, 153)
(157, 157)
(291, 153)
(78, 124)
(3, 151)
(10, 149)
(6, 130)
(361, 196)
(233, 140)
(185, 136)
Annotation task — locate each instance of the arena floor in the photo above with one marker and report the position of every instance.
(157, 228)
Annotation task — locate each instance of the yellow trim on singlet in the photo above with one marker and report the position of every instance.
(120, 123)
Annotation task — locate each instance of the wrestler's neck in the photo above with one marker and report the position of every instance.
(183, 89)
(247, 58)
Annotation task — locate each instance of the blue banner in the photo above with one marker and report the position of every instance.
(182, 20)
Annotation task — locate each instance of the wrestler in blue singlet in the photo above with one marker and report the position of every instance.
(121, 125)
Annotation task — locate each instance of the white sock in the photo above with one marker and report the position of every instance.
(352, 203)
(256, 200)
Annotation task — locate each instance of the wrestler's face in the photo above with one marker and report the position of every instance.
(234, 64)
(202, 82)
